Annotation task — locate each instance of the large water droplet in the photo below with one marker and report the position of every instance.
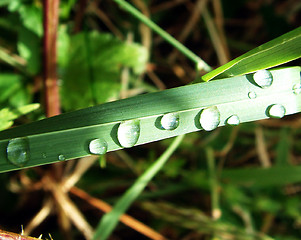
(263, 78)
(210, 118)
(170, 121)
(128, 133)
(252, 95)
(276, 111)
(297, 88)
(233, 120)
(61, 157)
(98, 146)
(18, 151)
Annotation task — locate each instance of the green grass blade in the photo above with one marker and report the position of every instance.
(67, 136)
(283, 49)
(110, 220)
(200, 64)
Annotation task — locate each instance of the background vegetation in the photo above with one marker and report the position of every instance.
(233, 183)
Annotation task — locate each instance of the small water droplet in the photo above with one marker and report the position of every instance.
(233, 120)
(44, 155)
(297, 88)
(276, 111)
(61, 157)
(18, 151)
(210, 118)
(252, 95)
(98, 146)
(263, 78)
(128, 133)
(170, 121)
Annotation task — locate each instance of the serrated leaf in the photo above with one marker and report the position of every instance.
(93, 69)
(7, 114)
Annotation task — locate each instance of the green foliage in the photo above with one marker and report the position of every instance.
(91, 73)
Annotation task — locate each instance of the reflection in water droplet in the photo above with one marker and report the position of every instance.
(297, 88)
(18, 151)
(233, 120)
(210, 118)
(98, 146)
(61, 157)
(128, 133)
(276, 111)
(252, 95)
(263, 78)
(170, 121)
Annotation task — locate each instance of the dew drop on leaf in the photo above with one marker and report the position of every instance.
(263, 78)
(98, 146)
(276, 111)
(297, 88)
(128, 133)
(252, 95)
(61, 157)
(170, 121)
(233, 120)
(210, 118)
(18, 151)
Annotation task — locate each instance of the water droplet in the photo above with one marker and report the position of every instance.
(61, 157)
(170, 121)
(233, 120)
(297, 88)
(263, 78)
(18, 151)
(128, 133)
(276, 111)
(210, 118)
(252, 95)
(44, 155)
(98, 146)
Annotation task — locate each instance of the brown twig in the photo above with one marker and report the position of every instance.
(52, 102)
(126, 219)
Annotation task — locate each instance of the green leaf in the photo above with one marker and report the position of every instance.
(29, 49)
(31, 17)
(70, 134)
(92, 73)
(9, 84)
(283, 49)
(8, 115)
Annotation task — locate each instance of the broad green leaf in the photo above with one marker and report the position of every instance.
(93, 70)
(9, 84)
(31, 17)
(7, 115)
(69, 134)
(4, 2)
(283, 49)
(29, 49)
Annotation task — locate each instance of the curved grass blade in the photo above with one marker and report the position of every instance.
(69, 135)
(283, 49)
(110, 220)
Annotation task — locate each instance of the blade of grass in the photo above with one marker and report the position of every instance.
(110, 220)
(200, 64)
(67, 136)
(283, 49)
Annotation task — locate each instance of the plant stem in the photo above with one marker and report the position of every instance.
(200, 64)
(52, 101)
